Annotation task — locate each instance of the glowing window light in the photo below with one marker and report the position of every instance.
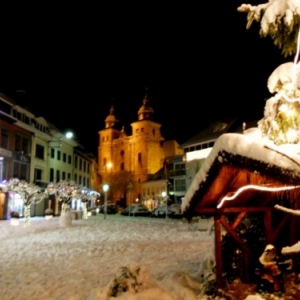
(283, 108)
(255, 187)
(294, 72)
(292, 134)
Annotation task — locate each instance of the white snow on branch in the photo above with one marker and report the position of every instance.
(273, 12)
(282, 77)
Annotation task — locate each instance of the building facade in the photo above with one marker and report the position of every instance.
(126, 161)
(34, 150)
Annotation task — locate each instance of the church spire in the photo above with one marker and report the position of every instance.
(111, 119)
(145, 112)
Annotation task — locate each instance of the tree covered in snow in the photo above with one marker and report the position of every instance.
(66, 191)
(29, 193)
(280, 19)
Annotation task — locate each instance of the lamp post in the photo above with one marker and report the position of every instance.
(129, 187)
(105, 189)
(164, 194)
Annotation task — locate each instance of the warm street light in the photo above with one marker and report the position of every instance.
(105, 189)
(69, 135)
(129, 187)
(164, 194)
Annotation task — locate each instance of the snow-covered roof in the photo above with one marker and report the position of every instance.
(214, 130)
(285, 159)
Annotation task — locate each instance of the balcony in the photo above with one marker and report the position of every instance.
(181, 172)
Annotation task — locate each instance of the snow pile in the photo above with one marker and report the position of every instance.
(129, 257)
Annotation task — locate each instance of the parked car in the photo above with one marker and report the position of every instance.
(138, 210)
(111, 209)
(159, 211)
(174, 211)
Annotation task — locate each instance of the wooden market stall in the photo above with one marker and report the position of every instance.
(251, 187)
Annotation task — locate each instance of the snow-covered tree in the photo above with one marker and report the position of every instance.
(280, 19)
(30, 193)
(87, 195)
(65, 192)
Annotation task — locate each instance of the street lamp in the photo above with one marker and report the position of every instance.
(105, 189)
(56, 140)
(164, 194)
(129, 187)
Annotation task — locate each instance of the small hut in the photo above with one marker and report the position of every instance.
(239, 184)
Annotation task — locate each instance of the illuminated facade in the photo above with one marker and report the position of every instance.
(34, 150)
(136, 156)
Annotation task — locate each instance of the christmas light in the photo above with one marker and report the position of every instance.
(29, 193)
(255, 187)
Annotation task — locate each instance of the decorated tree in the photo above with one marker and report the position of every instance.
(280, 20)
(65, 192)
(29, 193)
(87, 195)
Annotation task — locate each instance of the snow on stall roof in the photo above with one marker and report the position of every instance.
(250, 145)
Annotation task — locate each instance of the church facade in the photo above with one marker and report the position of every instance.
(126, 161)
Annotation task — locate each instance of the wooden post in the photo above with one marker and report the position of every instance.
(218, 251)
(268, 226)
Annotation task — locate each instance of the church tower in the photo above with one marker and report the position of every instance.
(106, 137)
(146, 143)
(135, 156)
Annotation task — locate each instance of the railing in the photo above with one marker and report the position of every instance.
(177, 172)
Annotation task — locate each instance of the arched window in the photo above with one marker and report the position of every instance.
(140, 157)
(104, 162)
(122, 166)
(122, 153)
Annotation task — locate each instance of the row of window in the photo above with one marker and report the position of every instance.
(30, 121)
(179, 185)
(199, 147)
(21, 143)
(106, 138)
(142, 130)
(81, 165)
(115, 136)
(154, 191)
(57, 175)
(61, 156)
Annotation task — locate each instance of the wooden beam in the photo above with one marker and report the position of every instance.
(247, 209)
(235, 236)
(218, 251)
(225, 187)
(268, 226)
(292, 230)
(213, 211)
(279, 228)
(238, 220)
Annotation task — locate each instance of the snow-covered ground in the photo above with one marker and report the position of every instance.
(49, 262)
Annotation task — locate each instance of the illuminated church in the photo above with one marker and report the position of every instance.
(126, 161)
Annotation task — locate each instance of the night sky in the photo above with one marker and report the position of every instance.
(199, 64)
